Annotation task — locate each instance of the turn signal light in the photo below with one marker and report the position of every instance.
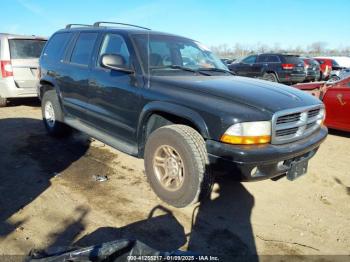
(245, 140)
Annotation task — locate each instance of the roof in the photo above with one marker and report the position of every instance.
(7, 35)
(117, 27)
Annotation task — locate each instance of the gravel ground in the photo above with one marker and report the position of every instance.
(49, 197)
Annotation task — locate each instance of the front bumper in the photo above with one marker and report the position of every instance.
(270, 160)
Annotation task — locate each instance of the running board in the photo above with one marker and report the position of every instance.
(103, 137)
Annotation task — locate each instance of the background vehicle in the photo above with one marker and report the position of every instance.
(328, 67)
(336, 97)
(131, 89)
(272, 67)
(312, 69)
(19, 57)
(227, 61)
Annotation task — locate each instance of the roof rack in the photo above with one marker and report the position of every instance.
(98, 24)
(71, 25)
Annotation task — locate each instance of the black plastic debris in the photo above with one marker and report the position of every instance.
(114, 251)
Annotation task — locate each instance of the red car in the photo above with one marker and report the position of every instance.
(336, 97)
(326, 65)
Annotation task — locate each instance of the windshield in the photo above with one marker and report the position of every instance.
(26, 48)
(164, 54)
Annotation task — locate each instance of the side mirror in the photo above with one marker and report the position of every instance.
(115, 62)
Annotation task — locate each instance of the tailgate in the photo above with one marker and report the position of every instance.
(25, 72)
(25, 55)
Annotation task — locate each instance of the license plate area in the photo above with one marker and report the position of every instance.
(297, 169)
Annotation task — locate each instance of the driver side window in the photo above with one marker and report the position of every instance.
(249, 60)
(115, 44)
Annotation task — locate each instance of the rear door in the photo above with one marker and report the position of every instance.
(74, 77)
(25, 55)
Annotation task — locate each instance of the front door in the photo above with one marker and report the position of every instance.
(114, 95)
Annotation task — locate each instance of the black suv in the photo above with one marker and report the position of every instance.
(282, 68)
(169, 100)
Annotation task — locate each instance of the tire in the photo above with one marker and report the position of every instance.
(53, 116)
(270, 77)
(3, 101)
(188, 150)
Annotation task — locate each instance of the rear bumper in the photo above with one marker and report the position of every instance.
(8, 89)
(312, 75)
(286, 77)
(270, 160)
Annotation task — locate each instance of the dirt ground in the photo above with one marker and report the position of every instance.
(49, 197)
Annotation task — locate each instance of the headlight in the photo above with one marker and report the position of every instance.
(248, 133)
(321, 117)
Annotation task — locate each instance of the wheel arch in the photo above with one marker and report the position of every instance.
(45, 84)
(157, 114)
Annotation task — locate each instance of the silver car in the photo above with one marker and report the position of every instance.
(19, 64)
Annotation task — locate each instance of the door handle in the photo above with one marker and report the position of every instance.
(340, 99)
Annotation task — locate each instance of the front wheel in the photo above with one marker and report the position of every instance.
(270, 77)
(177, 166)
(53, 116)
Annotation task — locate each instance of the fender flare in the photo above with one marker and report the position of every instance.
(170, 108)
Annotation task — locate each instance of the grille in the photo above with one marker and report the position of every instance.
(288, 118)
(295, 124)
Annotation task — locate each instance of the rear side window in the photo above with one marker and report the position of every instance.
(83, 48)
(26, 48)
(268, 59)
(55, 47)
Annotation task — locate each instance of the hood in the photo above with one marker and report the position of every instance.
(260, 94)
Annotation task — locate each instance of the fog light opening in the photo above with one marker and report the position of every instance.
(254, 171)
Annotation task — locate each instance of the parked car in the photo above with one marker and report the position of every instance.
(312, 69)
(128, 87)
(328, 67)
(336, 97)
(281, 68)
(227, 61)
(19, 57)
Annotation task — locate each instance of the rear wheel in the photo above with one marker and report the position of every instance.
(3, 101)
(53, 116)
(177, 166)
(270, 77)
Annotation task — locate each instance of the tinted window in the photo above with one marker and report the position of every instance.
(273, 59)
(115, 44)
(26, 48)
(250, 59)
(292, 59)
(83, 48)
(55, 47)
(262, 58)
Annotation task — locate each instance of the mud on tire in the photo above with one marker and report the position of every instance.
(170, 149)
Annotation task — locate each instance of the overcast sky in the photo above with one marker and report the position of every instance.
(288, 23)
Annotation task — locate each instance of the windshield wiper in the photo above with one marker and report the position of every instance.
(214, 69)
(181, 68)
